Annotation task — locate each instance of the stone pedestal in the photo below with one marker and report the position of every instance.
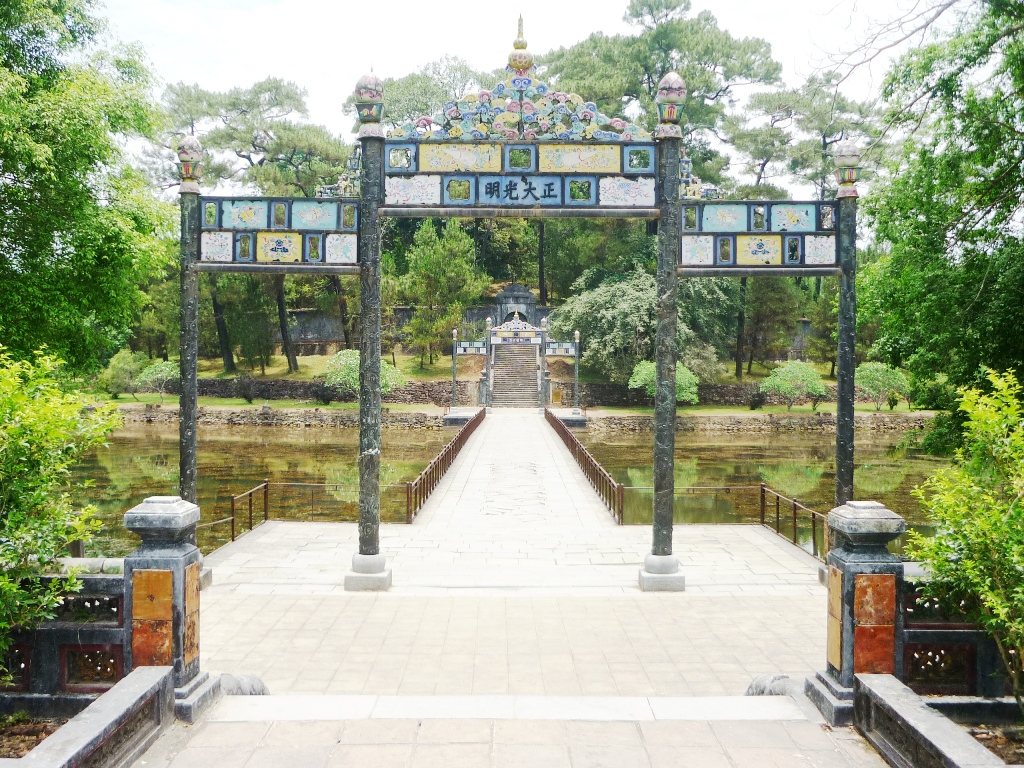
(369, 574)
(661, 574)
(865, 618)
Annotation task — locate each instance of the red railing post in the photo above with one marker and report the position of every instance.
(814, 534)
(408, 503)
(794, 522)
(266, 499)
(250, 510)
(777, 518)
(232, 518)
(762, 504)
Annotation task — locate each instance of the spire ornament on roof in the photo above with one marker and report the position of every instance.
(520, 60)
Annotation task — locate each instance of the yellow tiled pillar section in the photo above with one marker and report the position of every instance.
(874, 622)
(153, 618)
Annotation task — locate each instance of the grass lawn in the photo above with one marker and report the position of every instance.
(314, 366)
(237, 402)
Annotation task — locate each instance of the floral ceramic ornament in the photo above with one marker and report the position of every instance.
(190, 163)
(369, 95)
(671, 95)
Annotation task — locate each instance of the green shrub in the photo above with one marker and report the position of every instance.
(933, 394)
(343, 373)
(160, 377)
(976, 558)
(794, 381)
(44, 431)
(879, 382)
(121, 376)
(645, 377)
(245, 387)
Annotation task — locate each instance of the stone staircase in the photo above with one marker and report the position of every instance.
(515, 376)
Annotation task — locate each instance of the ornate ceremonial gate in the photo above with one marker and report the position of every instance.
(521, 149)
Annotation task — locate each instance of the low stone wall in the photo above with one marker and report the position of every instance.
(436, 392)
(277, 417)
(764, 422)
(596, 395)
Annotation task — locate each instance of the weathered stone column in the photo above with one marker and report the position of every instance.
(847, 172)
(190, 157)
(865, 618)
(368, 565)
(660, 571)
(487, 364)
(455, 368)
(576, 376)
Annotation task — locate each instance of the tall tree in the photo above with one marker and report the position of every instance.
(772, 304)
(78, 227)
(947, 293)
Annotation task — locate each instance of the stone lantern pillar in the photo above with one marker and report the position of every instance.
(660, 571)
(865, 617)
(544, 381)
(190, 166)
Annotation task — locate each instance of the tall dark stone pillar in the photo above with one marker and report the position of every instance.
(368, 565)
(190, 156)
(660, 571)
(847, 172)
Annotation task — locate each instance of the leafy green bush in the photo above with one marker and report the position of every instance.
(44, 431)
(159, 377)
(976, 558)
(645, 377)
(878, 381)
(933, 394)
(245, 387)
(121, 376)
(794, 381)
(343, 373)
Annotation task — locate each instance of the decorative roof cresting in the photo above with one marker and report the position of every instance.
(520, 108)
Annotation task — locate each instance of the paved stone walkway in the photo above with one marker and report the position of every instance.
(514, 582)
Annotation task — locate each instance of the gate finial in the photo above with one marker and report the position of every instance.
(520, 59)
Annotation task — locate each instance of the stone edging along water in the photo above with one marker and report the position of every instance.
(265, 416)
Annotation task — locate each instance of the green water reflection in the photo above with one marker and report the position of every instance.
(798, 465)
(142, 460)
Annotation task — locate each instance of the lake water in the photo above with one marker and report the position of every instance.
(142, 460)
(799, 465)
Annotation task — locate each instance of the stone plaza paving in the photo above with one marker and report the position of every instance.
(515, 634)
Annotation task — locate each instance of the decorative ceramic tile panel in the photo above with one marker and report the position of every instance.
(793, 218)
(756, 250)
(617, 191)
(341, 249)
(697, 251)
(413, 190)
(216, 246)
(484, 158)
(819, 250)
(519, 190)
(313, 214)
(558, 158)
(244, 214)
(278, 246)
(725, 218)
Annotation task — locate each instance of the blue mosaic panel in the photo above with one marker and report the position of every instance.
(314, 214)
(794, 218)
(400, 158)
(520, 190)
(581, 190)
(244, 214)
(520, 158)
(725, 218)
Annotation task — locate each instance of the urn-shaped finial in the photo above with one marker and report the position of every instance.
(190, 163)
(848, 171)
(520, 59)
(670, 98)
(369, 95)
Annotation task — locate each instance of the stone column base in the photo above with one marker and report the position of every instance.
(661, 574)
(834, 701)
(196, 696)
(368, 574)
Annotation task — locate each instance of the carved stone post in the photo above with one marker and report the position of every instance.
(455, 369)
(576, 376)
(487, 364)
(190, 157)
(865, 618)
(660, 571)
(161, 606)
(542, 397)
(847, 172)
(368, 565)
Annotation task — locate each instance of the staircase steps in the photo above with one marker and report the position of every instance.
(515, 376)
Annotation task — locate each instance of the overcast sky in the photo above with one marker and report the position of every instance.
(325, 45)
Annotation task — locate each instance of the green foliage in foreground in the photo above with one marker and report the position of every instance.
(645, 377)
(796, 380)
(976, 558)
(43, 432)
(343, 373)
(879, 381)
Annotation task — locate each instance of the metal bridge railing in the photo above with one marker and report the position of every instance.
(418, 491)
(612, 492)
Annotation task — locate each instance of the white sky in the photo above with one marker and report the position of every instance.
(325, 45)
